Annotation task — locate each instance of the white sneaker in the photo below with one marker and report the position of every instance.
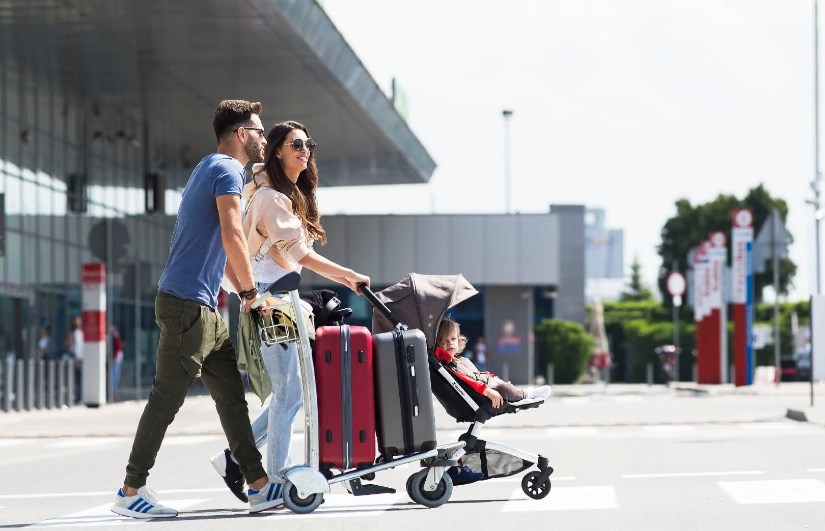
(539, 392)
(269, 497)
(142, 505)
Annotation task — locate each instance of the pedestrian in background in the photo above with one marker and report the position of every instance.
(73, 348)
(117, 357)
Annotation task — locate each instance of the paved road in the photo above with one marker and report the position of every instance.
(634, 458)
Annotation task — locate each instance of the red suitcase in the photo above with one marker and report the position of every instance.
(346, 398)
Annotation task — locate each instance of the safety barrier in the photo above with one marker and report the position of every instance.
(26, 385)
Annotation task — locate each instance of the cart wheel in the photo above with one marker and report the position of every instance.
(296, 504)
(430, 499)
(369, 477)
(531, 488)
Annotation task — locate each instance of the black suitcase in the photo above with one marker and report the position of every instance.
(403, 396)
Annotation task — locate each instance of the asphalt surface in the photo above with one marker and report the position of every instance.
(625, 458)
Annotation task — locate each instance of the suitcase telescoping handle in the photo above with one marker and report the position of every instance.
(381, 306)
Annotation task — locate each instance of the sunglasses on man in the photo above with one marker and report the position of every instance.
(258, 129)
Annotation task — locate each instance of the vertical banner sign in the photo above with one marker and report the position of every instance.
(718, 254)
(742, 295)
(94, 334)
(700, 272)
(710, 328)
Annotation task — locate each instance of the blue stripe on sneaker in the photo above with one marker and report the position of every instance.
(147, 508)
(136, 503)
(140, 507)
(269, 495)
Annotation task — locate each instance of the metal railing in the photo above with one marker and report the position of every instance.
(26, 385)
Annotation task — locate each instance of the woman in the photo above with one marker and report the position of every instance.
(282, 211)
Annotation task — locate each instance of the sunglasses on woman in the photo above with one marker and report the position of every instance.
(298, 144)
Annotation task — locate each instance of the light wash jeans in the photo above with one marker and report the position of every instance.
(273, 425)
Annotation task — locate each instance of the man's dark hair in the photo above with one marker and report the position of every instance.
(233, 113)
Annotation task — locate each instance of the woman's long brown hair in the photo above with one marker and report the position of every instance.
(303, 192)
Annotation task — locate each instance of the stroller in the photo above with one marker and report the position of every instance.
(420, 301)
(285, 320)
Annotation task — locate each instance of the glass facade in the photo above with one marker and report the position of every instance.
(72, 186)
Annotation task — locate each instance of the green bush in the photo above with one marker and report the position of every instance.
(566, 345)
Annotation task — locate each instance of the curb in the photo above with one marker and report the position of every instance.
(797, 414)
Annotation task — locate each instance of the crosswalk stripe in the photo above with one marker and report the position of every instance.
(348, 506)
(565, 499)
(101, 515)
(774, 491)
(693, 474)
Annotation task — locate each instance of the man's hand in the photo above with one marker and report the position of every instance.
(494, 396)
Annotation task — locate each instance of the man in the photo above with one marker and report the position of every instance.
(194, 341)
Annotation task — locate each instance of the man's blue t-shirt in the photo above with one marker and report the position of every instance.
(196, 255)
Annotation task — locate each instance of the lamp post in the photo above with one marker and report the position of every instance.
(816, 183)
(507, 114)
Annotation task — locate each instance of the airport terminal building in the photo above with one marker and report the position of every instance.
(105, 108)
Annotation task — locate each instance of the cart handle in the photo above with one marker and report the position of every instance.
(366, 292)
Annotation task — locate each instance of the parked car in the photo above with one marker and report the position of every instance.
(797, 367)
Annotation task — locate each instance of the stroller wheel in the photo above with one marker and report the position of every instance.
(431, 499)
(531, 487)
(410, 492)
(296, 504)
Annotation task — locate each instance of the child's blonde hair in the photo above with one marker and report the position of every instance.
(446, 327)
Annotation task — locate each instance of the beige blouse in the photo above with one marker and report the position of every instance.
(270, 215)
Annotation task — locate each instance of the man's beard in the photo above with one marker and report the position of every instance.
(254, 151)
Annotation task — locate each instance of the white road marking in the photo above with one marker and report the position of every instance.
(102, 515)
(627, 398)
(775, 491)
(572, 431)
(565, 499)
(84, 442)
(671, 428)
(184, 440)
(769, 426)
(693, 474)
(93, 493)
(5, 443)
(575, 400)
(816, 470)
(347, 505)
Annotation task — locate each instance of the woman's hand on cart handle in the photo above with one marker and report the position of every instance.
(356, 281)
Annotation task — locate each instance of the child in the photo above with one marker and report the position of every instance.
(450, 343)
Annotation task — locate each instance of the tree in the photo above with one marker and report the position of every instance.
(692, 224)
(637, 291)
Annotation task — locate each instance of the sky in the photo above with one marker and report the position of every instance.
(627, 105)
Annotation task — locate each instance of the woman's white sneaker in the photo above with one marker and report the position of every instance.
(142, 505)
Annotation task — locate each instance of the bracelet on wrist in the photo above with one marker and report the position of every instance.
(249, 293)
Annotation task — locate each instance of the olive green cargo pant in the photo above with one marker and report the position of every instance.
(194, 342)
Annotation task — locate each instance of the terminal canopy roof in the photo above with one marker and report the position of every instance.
(168, 63)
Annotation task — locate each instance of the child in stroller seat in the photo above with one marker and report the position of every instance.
(450, 344)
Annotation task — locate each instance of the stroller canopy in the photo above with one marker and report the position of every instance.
(420, 301)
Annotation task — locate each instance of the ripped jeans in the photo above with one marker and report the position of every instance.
(273, 425)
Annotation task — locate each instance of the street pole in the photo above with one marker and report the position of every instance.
(676, 303)
(775, 266)
(815, 185)
(507, 114)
